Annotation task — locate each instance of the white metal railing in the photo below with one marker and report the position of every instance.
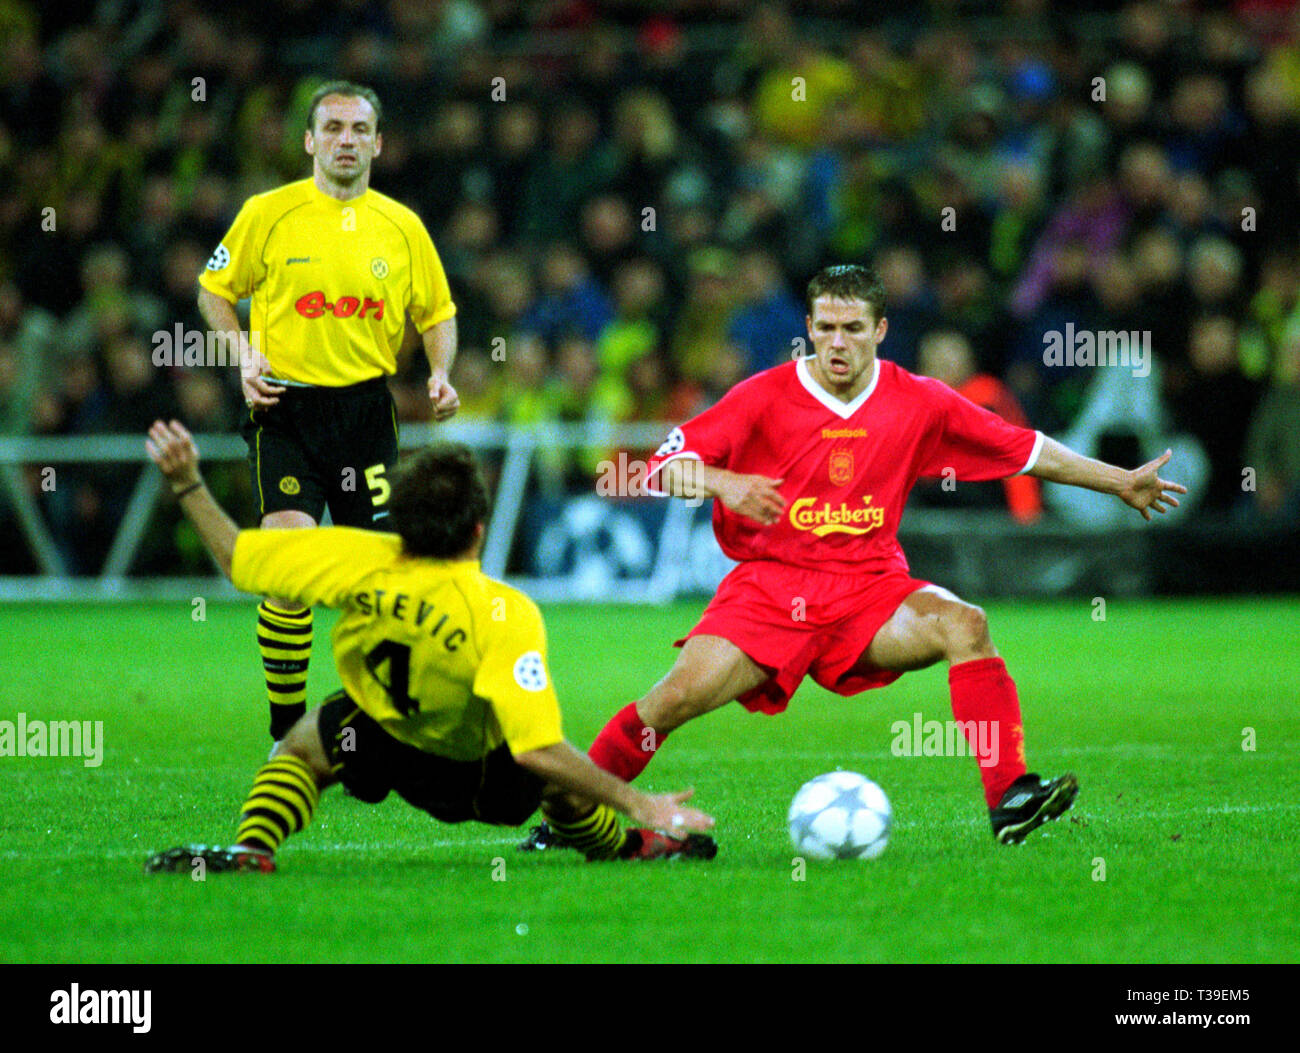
(676, 554)
(518, 444)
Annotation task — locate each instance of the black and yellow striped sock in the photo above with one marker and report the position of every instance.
(284, 638)
(281, 802)
(597, 835)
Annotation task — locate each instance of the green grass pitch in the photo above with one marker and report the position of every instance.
(1196, 835)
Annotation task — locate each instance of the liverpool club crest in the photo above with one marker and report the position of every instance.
(841, 467)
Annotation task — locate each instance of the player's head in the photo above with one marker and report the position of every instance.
(439, 503)
(342, 133)
(849, 281)
(846, 321)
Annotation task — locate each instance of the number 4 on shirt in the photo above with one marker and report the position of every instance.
(398, 684)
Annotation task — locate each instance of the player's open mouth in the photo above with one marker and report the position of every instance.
(838, 366)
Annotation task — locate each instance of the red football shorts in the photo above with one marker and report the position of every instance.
(796, 622)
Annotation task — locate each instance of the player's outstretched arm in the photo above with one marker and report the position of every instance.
(564, 766)
(755, 496)
(171, 448)
(1141, 488)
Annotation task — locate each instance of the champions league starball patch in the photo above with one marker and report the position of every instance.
(530, 671)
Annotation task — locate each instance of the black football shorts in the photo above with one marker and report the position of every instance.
(370, 763)
(325, 446)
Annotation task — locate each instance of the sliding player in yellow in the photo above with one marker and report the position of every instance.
(446, 696)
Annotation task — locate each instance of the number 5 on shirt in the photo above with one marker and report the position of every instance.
(379, 488)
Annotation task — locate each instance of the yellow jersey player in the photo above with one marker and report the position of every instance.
(446, 696)
(334, 271)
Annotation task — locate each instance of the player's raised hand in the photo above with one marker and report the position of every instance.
(669, 813)
(443, 396)
(1146, 491)
(755, 496)
(260, 391)
(171, 447)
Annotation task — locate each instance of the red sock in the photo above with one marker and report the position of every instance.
(983, 692)
(625, 745)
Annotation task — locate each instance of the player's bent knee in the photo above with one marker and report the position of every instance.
(303, 741)
(672, 703)
(287, 520)
(966, 631)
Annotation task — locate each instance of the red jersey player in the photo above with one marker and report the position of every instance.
(811, 464)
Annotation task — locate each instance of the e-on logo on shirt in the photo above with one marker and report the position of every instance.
(831, 520)
(314, 304)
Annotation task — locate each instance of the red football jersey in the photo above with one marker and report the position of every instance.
(848, 467)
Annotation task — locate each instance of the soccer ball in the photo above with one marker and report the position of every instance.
(840, 815)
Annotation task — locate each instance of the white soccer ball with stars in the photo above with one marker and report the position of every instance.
(840, 815)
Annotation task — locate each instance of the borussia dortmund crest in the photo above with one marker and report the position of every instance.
(379, 267)
(289, 485)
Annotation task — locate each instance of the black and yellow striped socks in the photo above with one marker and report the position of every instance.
(281, 802)
(284, 638)
(598, 835)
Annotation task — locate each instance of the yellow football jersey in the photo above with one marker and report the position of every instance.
(331, 281)
(444, 657)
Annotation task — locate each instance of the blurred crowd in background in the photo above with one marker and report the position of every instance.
(629, 200)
